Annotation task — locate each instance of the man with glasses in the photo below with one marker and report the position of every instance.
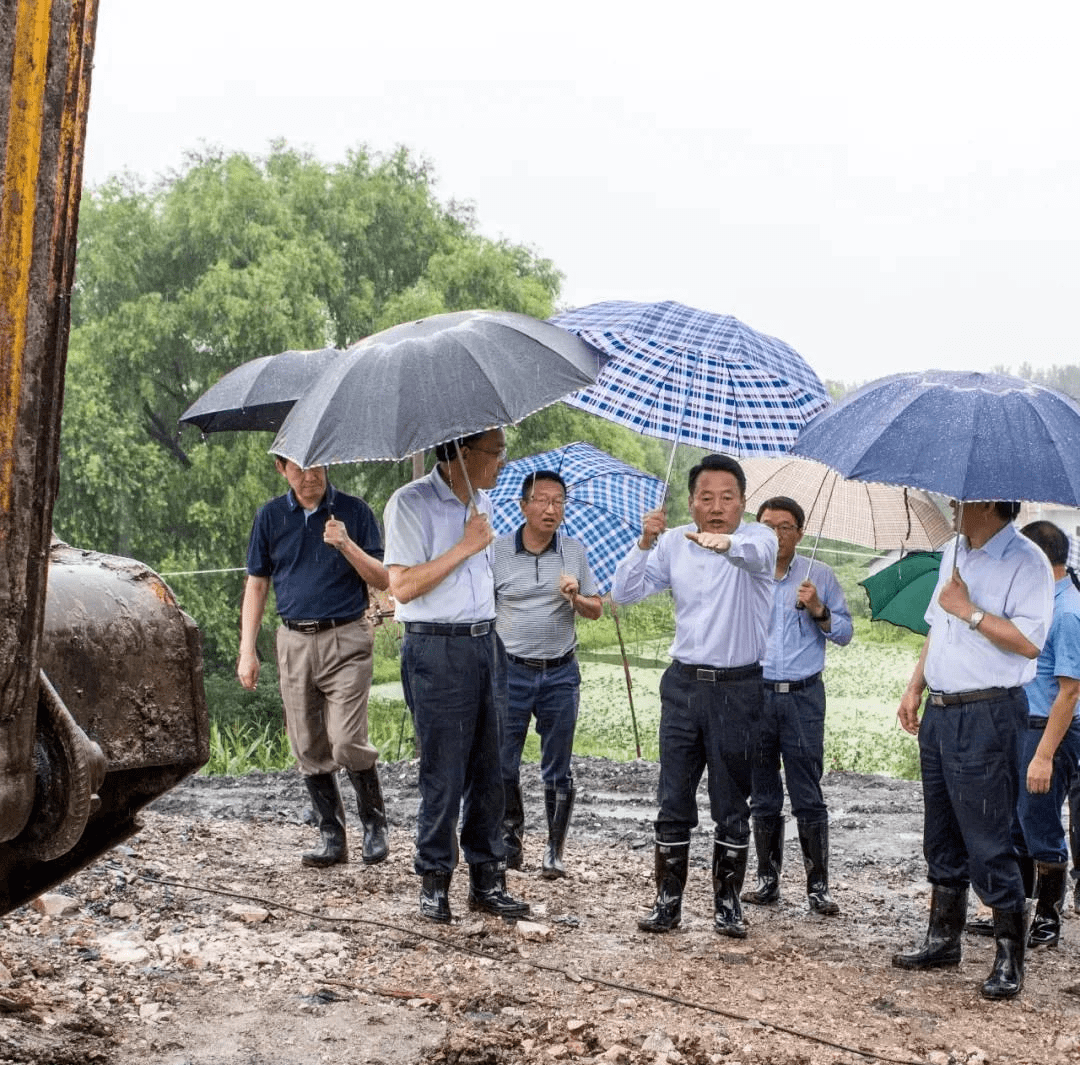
(719, 571)
(542, 582)
(808, 610)
(438, 538)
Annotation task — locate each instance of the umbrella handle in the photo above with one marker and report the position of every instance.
(626, 671)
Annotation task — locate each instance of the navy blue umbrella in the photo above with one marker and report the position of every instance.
(969, 436)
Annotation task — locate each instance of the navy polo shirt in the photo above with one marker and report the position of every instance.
(311, 579)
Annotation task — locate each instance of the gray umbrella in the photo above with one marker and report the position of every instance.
(258, 394)
(422, 383)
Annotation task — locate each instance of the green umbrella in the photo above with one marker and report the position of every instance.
(900, 593)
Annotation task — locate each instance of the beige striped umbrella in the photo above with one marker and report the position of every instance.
(881, 516)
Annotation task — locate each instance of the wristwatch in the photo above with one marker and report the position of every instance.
(824, 615)
(976, 618)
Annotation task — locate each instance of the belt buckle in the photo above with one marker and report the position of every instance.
(937, 699)
(707, 675)
(782, 687)
(306, 627)
(480, 628)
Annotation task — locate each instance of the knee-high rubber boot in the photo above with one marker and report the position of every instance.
(487, 891)
(326, 801)
(513, 824)
(984, 926)
(560, 805)
(814, 840)
(728, 873)
(1007, 976)
(769, 844)
(369, 802)
(672, 862)
(941, 947)
(435, 897)
(1049, 895)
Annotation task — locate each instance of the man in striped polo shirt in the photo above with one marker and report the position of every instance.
(542, 582)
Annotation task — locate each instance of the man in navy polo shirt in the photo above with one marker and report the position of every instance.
(320, 548)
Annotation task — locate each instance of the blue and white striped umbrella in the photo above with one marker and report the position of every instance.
(605, 500)
(694, 377)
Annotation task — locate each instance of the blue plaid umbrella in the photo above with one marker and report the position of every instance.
(605, 499)
(694, 377)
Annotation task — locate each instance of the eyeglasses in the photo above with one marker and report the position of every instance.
(544, 502)
(500, 454)
(787, 528)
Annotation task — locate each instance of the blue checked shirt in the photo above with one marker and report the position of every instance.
(796, 647)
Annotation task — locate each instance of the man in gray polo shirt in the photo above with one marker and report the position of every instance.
(542, 582)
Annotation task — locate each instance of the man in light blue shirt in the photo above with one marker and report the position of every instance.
(720, 574)
(808, 609)
(988, 617)
(438, 535)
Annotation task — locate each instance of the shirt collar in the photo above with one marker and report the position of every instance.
(520, 548)
(997, 545)
(327, 499)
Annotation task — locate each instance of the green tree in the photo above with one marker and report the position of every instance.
(232, 257)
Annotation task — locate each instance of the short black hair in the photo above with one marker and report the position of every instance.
(783, 503)
(724, 463)
(1054, 542)
(1007, 511)
(445, 451)
(529, 482)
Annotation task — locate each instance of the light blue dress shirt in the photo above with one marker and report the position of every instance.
(722, 601)
(796, 646)
(424, 519)
(1061, 655)
(1008, 576)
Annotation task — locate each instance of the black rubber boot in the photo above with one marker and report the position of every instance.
(980, 926)
(330, 816)
(369, 802)
(487, 891)
(769, 844)
(941, 948)
(435, 897)
(1045, 928)
(1007, 976)
(513, 824)
(560, 805)
(728, 874)
(814, 840)
(671, 864)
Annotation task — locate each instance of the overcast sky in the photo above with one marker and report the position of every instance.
(886, 187)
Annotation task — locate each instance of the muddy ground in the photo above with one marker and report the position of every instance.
(202, 941)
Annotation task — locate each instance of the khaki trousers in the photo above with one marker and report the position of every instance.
(325, 679)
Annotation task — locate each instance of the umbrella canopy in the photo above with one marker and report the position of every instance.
(900, 593)
(258, 394)
(694, 377)
(969, 436)
(605, 499)
(881, 516)
(422, 383)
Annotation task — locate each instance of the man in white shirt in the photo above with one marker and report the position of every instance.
(438, 535)
(988, 617)
(720, 573)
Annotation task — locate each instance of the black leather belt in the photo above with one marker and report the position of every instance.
(431, 628)
(1034, 721)
(958, 698)
(710, 675)
(541, 663)
(783, 686)
(317, 625)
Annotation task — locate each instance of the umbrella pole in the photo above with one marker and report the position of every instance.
(817, 539)
(626, 671)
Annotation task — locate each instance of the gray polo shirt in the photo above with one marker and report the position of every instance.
(532, 619)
